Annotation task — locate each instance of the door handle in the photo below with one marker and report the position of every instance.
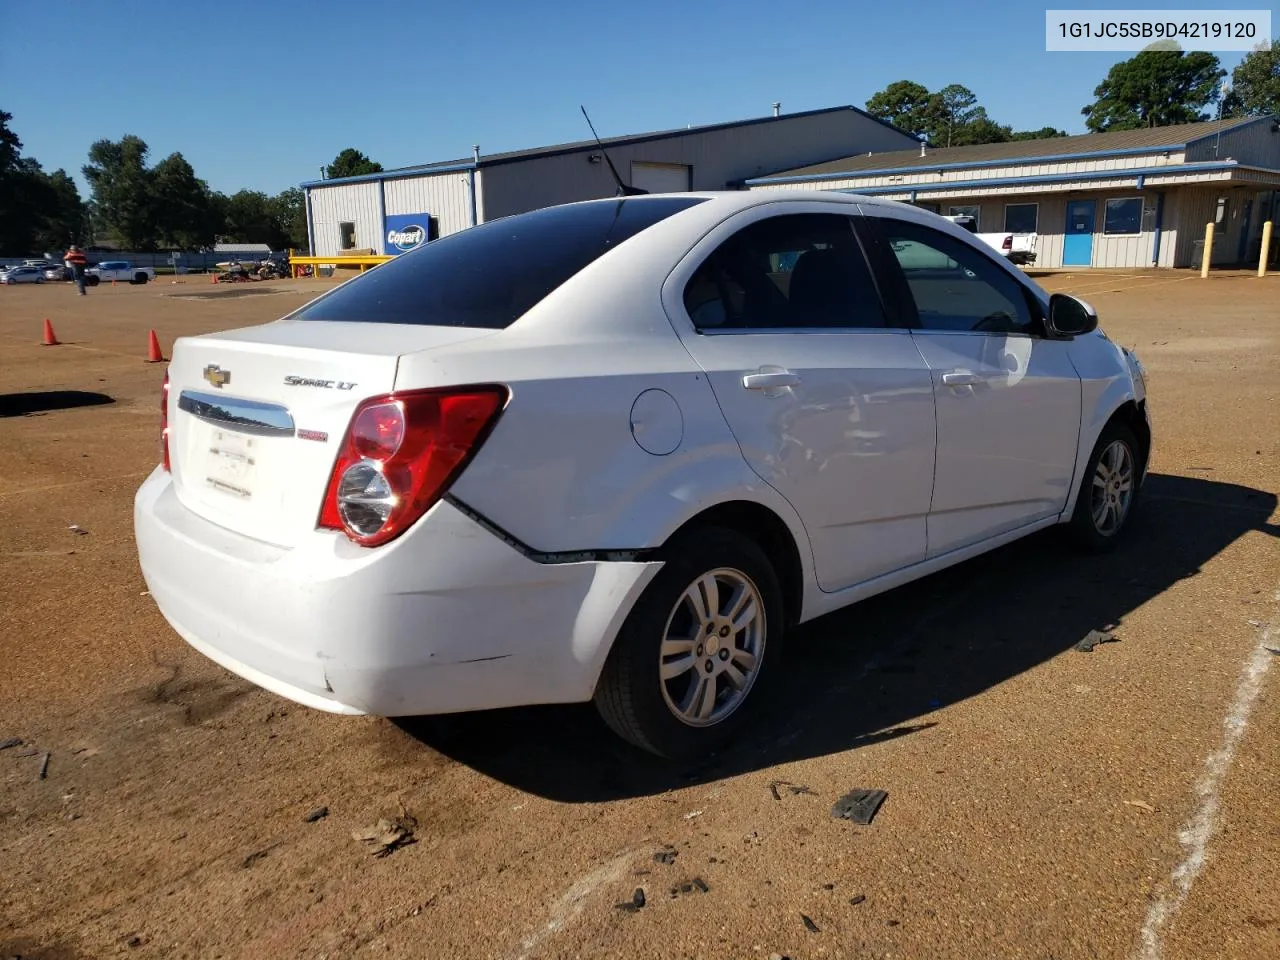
(770, 381)
(961, 379)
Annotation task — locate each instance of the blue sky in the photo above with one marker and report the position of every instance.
(261, 95)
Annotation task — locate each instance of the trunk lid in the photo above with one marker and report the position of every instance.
(256, 415)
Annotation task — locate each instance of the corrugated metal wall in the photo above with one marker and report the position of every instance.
(717, 157)
(347, 203)
(1253, 144)
(445, 196)
(1199, 207)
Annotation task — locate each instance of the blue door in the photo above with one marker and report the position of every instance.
(1077, 245)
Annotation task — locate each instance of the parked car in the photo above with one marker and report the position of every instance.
(119, 270)
(56, 272)
(23, 274)
(615, 450)
(1018, 248)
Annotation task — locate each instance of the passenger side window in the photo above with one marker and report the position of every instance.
(954, 286)
(788, 272)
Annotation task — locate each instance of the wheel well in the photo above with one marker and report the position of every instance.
(768, 530)
(1131, 415)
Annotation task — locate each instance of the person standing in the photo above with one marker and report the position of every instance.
(76, 261)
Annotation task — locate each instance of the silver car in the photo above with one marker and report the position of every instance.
(22, 275)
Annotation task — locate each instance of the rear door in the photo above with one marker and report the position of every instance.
(831, 405)
(1008, 399)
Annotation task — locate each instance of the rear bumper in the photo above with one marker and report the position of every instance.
(447, 618)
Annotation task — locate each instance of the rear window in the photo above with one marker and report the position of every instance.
(492, 274)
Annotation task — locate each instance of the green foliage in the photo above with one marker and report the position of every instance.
(39, 212)
(123, 204)
(1044, 133)
(351, 163)
(185, 214)
(1155, 88)
(948, 118)
(1255, 84)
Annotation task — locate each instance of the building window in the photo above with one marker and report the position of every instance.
(969, 211)
(346, 236)
(1123, 216)
(1021, 217)
(1220, 216)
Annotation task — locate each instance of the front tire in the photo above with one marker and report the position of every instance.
(690, 661)
(1109, 490)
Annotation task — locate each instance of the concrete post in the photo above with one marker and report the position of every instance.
(1266, 249)
(1208, 249)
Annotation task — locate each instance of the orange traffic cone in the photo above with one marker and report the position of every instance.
(49, 339)
(213, 278)
(153, 349)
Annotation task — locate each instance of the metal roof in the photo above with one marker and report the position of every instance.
(515, 156)
(1112, 143)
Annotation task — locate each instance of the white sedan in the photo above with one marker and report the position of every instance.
(614, 450)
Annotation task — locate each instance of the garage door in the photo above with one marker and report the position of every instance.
(661, 177)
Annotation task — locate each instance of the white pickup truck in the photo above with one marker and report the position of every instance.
(1019, 248)
(120, 270)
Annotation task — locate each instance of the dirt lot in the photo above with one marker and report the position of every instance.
(1043, 802)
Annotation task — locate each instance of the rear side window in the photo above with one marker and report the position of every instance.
(786, 272)
(492, 274)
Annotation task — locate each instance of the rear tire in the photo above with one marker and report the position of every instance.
(140, 278)
(694, 656)
(1109, 490)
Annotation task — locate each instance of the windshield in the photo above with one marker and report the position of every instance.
(492, 274)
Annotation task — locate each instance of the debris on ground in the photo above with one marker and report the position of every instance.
(319, 813)
(44, 766)
(692, 814)
(859, 806)
(78, 530)
(860, 898)
(1141, 805)
(667, 856)
(11, 742)
(1095, 637)
(688, 886)
(257, 855)
(810, 925)
(794, 789)
(388, 836)
(633, 905)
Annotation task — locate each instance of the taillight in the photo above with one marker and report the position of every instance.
(400, 453)
(1008, 243)
(164, 423)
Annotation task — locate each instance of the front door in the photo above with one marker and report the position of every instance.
(1007, 399)
(1077, 245)
(830, 405)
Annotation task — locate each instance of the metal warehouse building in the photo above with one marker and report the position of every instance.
(393, 211)
(1133, 198)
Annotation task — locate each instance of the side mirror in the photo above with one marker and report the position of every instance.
(1070, 316)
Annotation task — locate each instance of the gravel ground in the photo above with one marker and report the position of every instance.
(1043, 802)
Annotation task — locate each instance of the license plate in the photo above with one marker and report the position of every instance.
(231, 464)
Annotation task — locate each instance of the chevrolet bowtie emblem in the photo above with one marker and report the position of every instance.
(216, 375)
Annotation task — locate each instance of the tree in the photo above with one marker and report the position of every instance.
(122, 198)
(184, 212)
(39, 212)
(1255, 84)
(949, 111)
(61, 222)
(949, 117)
(1044, 133)
(1155, 88)
(904, 103)
(351, 163)
(291, 216)
(251, 216)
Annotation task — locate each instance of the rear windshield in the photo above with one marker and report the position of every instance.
(492, 274)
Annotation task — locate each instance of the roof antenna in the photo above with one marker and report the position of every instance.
(623, 189)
